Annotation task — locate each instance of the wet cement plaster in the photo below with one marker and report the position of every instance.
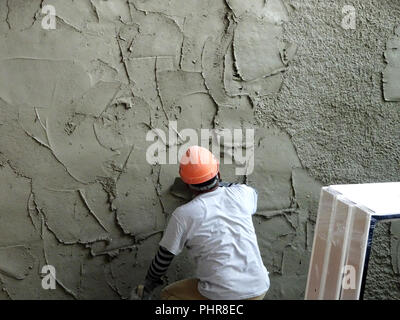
(76, 104)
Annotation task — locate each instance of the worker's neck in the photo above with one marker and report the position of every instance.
(196, 193)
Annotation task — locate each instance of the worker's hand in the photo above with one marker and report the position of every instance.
(149, 287)
(140, 293)
(144, 292)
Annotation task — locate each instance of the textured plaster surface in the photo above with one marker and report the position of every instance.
(76, 104)
(332, 106)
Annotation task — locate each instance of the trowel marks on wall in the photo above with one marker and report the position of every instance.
(76, 104)
(391, 75)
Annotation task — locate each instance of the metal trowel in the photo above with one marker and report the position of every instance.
(137, 293)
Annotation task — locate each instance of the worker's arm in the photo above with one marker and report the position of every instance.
(158, 268)
(171, 245)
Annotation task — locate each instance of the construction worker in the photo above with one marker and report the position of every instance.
(217, 229)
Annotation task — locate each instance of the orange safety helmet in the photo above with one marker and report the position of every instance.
(198, 165)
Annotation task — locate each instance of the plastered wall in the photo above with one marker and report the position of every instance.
(77, 102)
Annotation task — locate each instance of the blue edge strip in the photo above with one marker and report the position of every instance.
(374, 220)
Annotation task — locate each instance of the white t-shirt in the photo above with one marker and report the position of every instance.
(218, 231)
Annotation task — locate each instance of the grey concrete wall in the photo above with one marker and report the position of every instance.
(77, 102)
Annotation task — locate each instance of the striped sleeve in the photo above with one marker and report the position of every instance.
(160, 264)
